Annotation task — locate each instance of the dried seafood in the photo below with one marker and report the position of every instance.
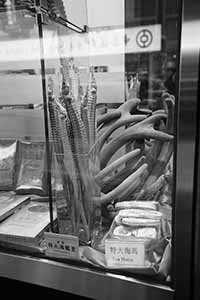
(80, 141)
(73, 129)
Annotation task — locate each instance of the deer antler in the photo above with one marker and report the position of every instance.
(141, 130)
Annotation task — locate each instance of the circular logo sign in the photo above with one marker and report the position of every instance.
(144, 38)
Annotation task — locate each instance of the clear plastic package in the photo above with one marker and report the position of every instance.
(141, 229)
(31, 178)
(7, 164)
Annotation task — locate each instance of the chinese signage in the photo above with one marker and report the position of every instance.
(96, 42)
(124, 253)
(143, 38)
(61, 245)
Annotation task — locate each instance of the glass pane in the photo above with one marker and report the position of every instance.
(111, 93)
(22, 137)
(74, 11)
(66, 67)
(63, 46)
(113, 170)
(20, 76)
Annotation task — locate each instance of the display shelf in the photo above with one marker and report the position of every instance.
(27, 80)
(79, 280)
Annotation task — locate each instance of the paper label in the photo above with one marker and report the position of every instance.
(61, 245)
(124, 253)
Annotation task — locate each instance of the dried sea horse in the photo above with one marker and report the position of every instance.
(59, 151)
(81, 153)
(91, 107)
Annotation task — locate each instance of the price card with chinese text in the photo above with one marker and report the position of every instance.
(124, 253)
(61, 245)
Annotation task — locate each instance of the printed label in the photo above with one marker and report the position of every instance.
(124, 253)
(61, 245)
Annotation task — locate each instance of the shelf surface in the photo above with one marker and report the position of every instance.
(79, 280)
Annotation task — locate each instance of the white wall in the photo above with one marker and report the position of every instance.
(105, 13)
(108, 15)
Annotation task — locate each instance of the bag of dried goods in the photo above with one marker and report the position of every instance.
(7, 164)
(149, 205)
(32, 170)
(138, 225)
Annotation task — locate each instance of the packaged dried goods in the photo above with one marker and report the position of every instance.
(32, 171)
(7, 164)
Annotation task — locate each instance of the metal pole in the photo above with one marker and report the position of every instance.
(46, 123)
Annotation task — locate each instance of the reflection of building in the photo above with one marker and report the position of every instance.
(142, 12)
(17, 22)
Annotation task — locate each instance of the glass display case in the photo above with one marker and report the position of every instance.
(98, 153)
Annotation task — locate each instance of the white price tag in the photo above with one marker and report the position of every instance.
(61, 245)
(127, 253)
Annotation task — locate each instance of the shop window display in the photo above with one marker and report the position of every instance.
(101, 178)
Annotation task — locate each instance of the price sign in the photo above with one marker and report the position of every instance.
(125, 253)
(61, 245)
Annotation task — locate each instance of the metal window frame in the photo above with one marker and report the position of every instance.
(185, 154)
(105, 285)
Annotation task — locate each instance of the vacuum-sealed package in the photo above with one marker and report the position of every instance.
(7, 164)
(134, 236)
(138, 223)
(32, 175)
(149, 205)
